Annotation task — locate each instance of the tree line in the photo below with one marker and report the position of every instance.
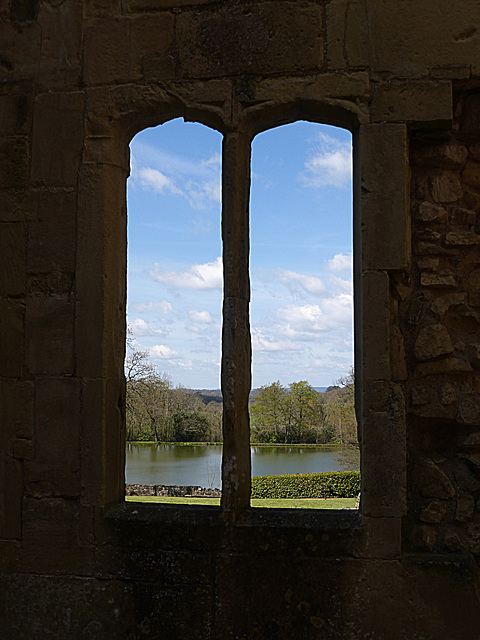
(301, 414)
(158, 411)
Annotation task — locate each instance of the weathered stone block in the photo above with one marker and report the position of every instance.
(13, 238)
(465, 507)
(431, 481)
(15, 113)
(434, 512)
(385, 202)
(20, 50)
(101, 259)
(413, 102)
(469, 411)
(102, 463)
(9, 552)
(422, 394)
(155, 5)
(57, 138)
(51, 238)
(384, 485)
(470, 121)
(438, 280)
(62, 40)
(442, 304)
(448, 394)
(16, 411)
(407, 51)
(104, 7)
(116, 48)
(49, 334)
(348, 39)
(462, 238)
(12, 338)
(428, 212)
(258, 40)
(443, 366)
(50, 538)
(16, 206)
(331, 93)
(446, 188)
(55, 468)
(22, 11)
(14, 160)
(382, 537)
(447, 156)
(432, 341)
(471, 174)
(23, 449)
(376, 323)
(11, 490)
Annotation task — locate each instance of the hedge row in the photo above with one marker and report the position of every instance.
(335, 484)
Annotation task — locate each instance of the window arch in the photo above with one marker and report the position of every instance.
(236, 342)
(381, 250)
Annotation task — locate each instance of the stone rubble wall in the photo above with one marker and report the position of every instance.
(176, 491)
(440, 312)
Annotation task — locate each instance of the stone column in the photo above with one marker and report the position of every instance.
(236, 346)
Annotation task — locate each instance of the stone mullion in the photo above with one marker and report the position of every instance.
(236, 345)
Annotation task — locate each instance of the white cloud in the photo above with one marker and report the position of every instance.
(201, 194)
(307, 321)
(162, 352)
(340, 262)
(140, 327)
(198, 276)
(344, 285)
(331, 164)
(202, 317)
(293, 280)
(261, 343)
(198, 182)
(215, 161)
(162, 308)
(156, 180)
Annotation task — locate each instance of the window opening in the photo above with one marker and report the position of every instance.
(174, 290)
(302, 305)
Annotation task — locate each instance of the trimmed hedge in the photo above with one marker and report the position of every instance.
(334, 484)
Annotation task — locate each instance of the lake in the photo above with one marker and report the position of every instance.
(201, 465)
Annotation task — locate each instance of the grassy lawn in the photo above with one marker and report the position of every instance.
(320, 503)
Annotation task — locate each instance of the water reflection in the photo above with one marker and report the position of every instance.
(201, 465)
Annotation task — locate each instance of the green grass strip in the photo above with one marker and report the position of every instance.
(286, 503)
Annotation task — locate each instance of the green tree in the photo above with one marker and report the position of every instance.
(289, 415)
(190, 426)
(305, 411)
(148, 399)
(268, 413)
(340, 409)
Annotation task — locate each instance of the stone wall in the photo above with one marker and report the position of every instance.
(78, 80)
(171, 490)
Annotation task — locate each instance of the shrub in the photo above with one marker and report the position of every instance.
(335, 484)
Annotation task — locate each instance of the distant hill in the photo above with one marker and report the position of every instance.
(215, 395)
(209, 395)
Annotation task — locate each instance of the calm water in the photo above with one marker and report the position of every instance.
(201, 465)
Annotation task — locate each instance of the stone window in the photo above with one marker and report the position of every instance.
(236, 340)
(381, 252)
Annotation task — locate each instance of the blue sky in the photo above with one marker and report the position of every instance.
(301, 253)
